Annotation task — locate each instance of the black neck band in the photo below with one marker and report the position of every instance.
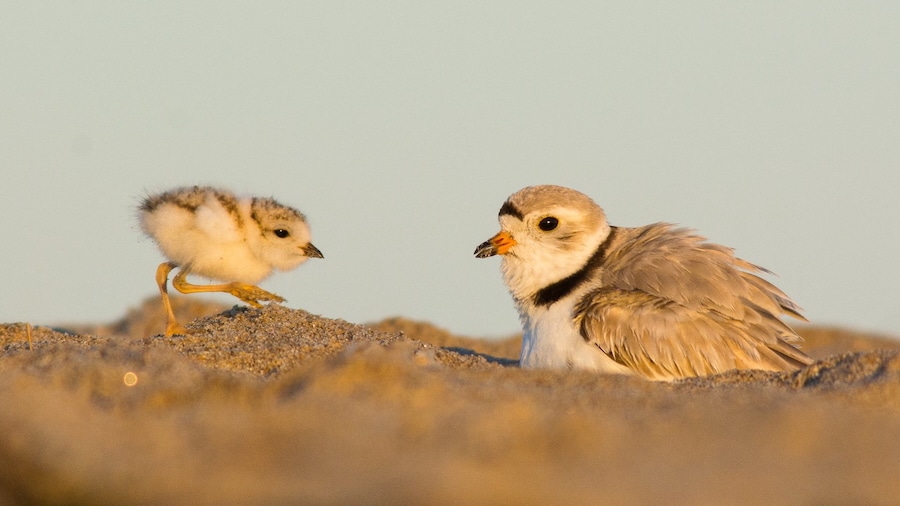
(554, 292)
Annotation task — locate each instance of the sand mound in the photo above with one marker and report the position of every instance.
(280, 406)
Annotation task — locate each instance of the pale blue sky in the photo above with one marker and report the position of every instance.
(400, 127)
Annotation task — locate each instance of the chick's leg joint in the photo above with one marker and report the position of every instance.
(162, 278)
(247, 293)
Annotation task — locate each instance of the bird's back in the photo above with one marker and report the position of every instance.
(671, 304)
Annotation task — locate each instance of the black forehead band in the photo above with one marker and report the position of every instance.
(511, 210)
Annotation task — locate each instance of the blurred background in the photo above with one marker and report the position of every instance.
(400, 127)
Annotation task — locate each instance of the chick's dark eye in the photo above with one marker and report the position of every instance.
(548, 223)
(280, 232)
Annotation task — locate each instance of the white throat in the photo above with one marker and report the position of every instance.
(528, 270)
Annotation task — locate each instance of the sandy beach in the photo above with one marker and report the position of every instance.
(279, 406)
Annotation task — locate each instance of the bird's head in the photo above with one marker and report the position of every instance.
(284, 236)
(546, 234)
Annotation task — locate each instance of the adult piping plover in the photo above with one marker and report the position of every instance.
(212, 233)
(656, 301)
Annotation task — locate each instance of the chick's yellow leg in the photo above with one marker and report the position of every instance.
(247, 293)
(162, 278)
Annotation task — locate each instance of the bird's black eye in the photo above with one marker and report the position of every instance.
(548, 223)
(280, 232)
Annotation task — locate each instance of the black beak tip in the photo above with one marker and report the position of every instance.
(485, 250)
(313, 252)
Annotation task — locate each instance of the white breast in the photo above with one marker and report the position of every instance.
(550, 340)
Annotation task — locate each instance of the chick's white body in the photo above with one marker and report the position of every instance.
(655, 301)
(222, 237)
(212, 233)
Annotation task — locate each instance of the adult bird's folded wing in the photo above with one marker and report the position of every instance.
(664, 340)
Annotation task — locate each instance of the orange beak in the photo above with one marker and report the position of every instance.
(497, 245)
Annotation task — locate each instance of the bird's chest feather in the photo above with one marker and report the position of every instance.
(551, 340)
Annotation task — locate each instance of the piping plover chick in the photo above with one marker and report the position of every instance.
(215, 234)
(655, 301)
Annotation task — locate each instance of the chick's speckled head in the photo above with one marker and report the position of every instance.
(284, 238)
